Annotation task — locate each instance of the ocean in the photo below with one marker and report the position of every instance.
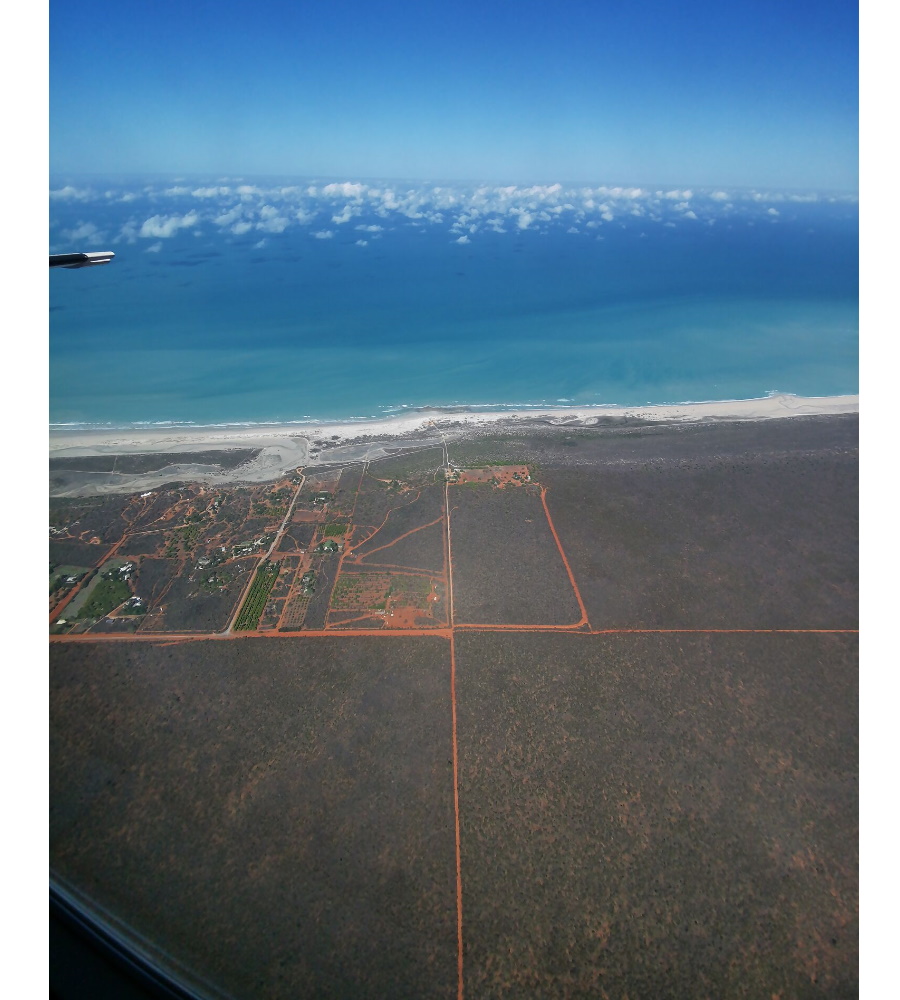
(211, 315)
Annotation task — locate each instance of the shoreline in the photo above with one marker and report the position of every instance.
(81, 442)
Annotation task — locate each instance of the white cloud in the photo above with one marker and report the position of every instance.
(347, 213)
(69, 193)
(620, 192)
(84, 232)
(462, 239)
(276, 225)
(232, 215)
(237, 207)
(168, 225)
(154, 248)
(271, 221)
(362, 243)
(259, 245)
(128, 232)
(345, 190)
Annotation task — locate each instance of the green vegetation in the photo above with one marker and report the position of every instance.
(255, 604)
(344, 589)
(335, 529)
(372, 591)
(187, 535)
(410, 585)
(60, 576)
(271, 506)
(356, 591)
(110, 591)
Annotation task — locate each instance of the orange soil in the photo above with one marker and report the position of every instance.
(502, 475)
(301, 516)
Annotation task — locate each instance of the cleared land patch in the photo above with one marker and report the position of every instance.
(658, 816)
(396, 600)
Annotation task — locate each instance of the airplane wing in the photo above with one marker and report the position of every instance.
(81, 259)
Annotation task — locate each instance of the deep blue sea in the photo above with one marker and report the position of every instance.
(206, 321)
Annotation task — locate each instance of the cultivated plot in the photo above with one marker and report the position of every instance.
(388, 599)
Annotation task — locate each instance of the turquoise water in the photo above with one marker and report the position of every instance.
(212, 329)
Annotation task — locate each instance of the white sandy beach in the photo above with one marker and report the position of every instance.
(82, 442)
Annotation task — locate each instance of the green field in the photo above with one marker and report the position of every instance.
(59, 576)
(106, 596)
(255, 603)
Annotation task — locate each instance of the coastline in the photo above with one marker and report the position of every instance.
(174, 438)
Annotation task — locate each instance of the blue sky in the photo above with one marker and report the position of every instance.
(649, 93)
